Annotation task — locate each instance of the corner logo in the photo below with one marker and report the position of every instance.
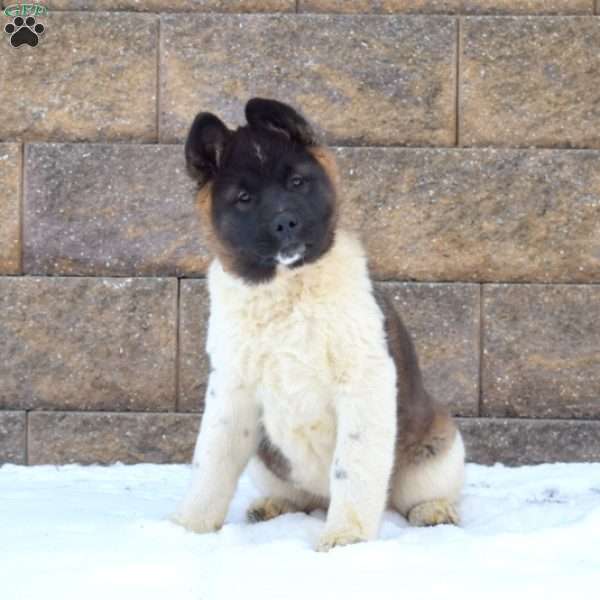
(24, 28)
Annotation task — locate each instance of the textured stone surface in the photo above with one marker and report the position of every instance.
(475, 215)
(530, 441)
(425, 214)
(538, 7)
(87, 343)
(92, 77)
(95, 209)
(69, 437)
(530, 82)
(565, 7)
(12, 437)
(10, 201)
(177, 5)
(362, 79)
(75, 437)
(443, 321)
(541, 351)
(193, 360)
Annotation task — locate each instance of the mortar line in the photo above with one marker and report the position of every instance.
(375, 279)
(458, 80)
(196, 413)
(27, 437)
(158, 80)
(481, 349)
(329, 13)
(343, 146)
(177, 354)
(22, 209)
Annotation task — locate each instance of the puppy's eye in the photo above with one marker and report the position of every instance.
(243, 197)
(296, 181)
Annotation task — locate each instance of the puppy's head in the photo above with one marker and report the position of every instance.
(267, 190)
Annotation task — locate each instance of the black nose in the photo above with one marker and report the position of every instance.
(285, 225)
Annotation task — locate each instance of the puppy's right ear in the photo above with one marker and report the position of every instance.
(204, 147)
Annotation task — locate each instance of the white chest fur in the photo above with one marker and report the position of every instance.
(293, 344)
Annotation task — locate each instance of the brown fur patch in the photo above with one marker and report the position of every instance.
(272, 457)
(204, 206)
(326, 159)
(437, 439)
(425, 429)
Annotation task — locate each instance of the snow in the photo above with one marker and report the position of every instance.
(103, 533)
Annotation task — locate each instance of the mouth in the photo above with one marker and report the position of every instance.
(291, 254)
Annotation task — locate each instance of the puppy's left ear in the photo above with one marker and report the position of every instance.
(205, 146)
(262, 113)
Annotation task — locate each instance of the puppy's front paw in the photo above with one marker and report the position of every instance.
(331, 539)
(198, 523)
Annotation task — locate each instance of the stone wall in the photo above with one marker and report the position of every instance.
(468, 136)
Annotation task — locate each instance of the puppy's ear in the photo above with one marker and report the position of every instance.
(262, 113)
(204, 147)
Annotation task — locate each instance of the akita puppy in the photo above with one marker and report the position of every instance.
(314, 381)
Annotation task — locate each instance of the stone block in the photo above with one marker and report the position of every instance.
(10, 209)
(110, 209)
(361, 79)
(475, 214)
(12, 437)
(516, 442)
(194, 365)
(541, 351)
(105, 438)
(92, 77)
(530, 82)
(87, 344)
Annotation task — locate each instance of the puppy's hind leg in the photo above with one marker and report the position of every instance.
(280, 497)
(429, 477)
(269, 507)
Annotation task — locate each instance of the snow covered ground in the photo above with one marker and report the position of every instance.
(102, 533)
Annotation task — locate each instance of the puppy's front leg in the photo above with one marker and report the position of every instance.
(363, 459)
(227, 439)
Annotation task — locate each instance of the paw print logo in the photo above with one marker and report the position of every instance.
(24, 31)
